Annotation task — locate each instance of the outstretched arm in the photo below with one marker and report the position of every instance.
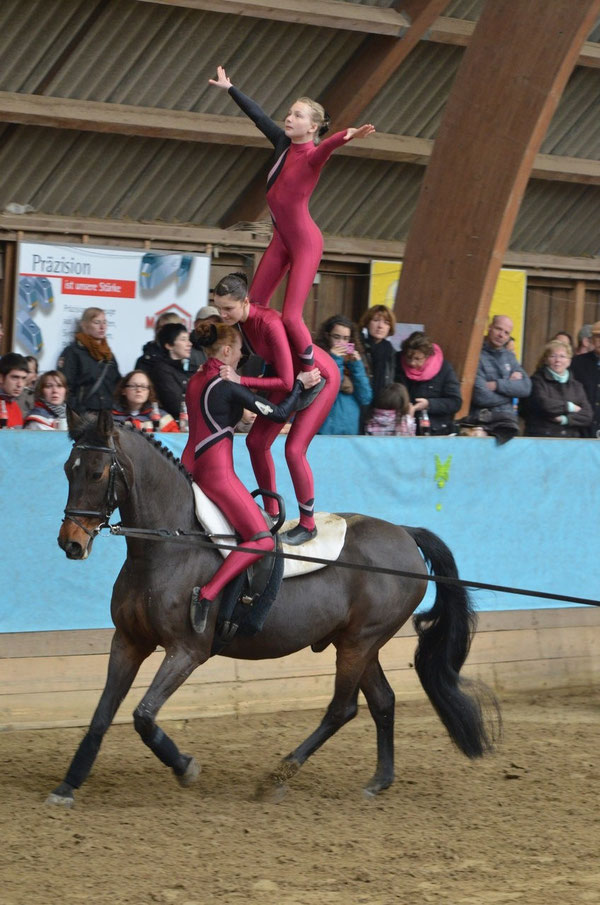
(260, 119)
(326, 147)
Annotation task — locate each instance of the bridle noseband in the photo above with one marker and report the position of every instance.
(110, 502)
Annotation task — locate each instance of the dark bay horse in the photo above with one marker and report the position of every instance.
(355, 611)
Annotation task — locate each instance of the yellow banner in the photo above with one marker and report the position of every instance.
(508, 298)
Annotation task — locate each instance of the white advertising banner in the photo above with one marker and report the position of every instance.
(55, 283)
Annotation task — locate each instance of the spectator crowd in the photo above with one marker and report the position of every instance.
(382, 392)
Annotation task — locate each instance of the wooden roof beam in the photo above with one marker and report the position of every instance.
(181, 125)
(353, 17)
(160, 234)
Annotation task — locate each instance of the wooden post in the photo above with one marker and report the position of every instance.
(578, 310)
(506, 91)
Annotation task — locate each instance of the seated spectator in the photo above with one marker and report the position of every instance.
(89, 365)
(431, 382)
(27, 397)
(557, 406)
(136, 404)
(499, 381)
(375, 326)
(13, 374)
(586, 369)
(338, 336)
(584, 340)
(392, 415)
(151, 350)
(49, 412)
(168, 372)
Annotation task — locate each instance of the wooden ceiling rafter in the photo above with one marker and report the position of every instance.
(181, 125)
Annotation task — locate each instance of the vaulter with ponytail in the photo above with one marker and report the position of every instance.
(297, 243)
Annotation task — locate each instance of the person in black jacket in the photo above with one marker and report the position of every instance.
(169, 372)
(586, 369)
(430, 380)
(89, 365)
(376, 325)
(558, 405)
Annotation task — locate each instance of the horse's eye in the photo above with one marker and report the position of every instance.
(96, 476)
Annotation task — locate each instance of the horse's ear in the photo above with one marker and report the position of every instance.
(74, 423)
(105, 424)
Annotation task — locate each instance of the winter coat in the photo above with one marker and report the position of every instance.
(344, 416)
(586, 369)
(549, 398)
(170, 380)
(82, 373)
(442, 390)
(497, 364)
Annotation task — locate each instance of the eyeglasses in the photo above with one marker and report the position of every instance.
(137, 386)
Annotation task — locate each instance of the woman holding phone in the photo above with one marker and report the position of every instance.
(338, 335)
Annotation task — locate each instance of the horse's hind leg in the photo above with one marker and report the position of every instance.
(123, 665)
(177, 665)
(381, 700)
(350, 665)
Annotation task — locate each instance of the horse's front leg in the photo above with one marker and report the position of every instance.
(177, 665)
(123, 665)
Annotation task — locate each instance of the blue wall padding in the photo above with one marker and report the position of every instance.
(521, 515)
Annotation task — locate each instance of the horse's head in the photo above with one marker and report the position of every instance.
(98, 482)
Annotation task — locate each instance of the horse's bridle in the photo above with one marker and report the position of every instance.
(110, 502)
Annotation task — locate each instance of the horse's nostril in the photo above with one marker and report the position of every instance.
(73, 549)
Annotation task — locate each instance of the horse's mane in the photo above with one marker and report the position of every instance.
(86, 431)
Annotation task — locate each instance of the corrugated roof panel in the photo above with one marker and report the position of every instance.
(558, 218)
(413, 100)
(366, 198)
(575, 127)
(161, 57)
(33, 34)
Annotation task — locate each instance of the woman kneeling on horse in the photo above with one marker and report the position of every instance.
(214, 407)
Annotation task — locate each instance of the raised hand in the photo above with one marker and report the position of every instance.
(361, 132)
(221, 81)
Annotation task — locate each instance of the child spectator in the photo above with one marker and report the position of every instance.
(392, 415)
(49, 412)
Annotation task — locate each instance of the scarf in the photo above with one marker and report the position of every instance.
(97, 348)
(560, 378)
(431, 367)
(59, 411)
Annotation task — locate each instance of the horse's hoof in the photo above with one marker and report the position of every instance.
(269, 791)
(63, 801)
(274, 788)
(192, 772)
(375, 787)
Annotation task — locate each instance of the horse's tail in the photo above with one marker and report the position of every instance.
(468, 710)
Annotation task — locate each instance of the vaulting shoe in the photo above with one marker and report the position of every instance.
(298, 535)
(199, 610)
(309, 395)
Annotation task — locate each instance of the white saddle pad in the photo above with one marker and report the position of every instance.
(331, 533)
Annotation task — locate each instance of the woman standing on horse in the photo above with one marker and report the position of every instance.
(214, 407)
(264, 334)
(297, 243)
